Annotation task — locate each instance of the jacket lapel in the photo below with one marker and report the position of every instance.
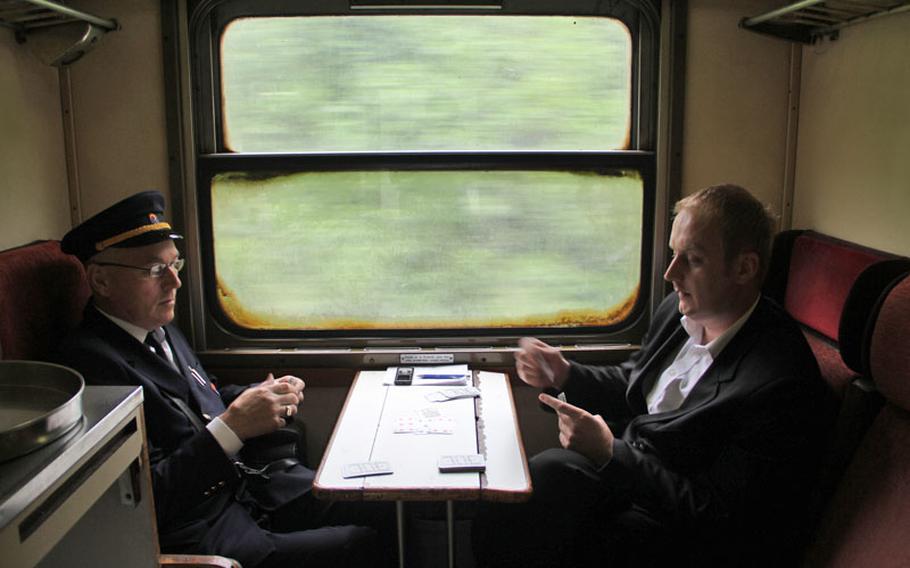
(669, 335)
(204, 394)
(645, 378)
(146, 364)
(719, 374)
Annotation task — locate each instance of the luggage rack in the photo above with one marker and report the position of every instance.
(24, 16)
(810, 20)
(59, 35)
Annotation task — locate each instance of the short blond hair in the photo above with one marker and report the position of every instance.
(746, 224)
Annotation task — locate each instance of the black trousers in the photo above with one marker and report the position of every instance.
(574, 518)
(312, 533)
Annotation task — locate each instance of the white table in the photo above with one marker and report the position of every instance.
(365, 431)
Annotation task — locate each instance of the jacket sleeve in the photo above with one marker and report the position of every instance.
(601, 389)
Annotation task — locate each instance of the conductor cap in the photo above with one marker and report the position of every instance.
(135, 221)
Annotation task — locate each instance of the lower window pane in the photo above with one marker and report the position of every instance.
(412, 250)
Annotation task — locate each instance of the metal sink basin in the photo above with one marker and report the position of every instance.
(39, 402)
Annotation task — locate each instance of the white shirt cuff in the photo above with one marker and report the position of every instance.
(225, 437)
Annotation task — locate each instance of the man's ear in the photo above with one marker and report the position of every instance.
(746, 268)
(98, 280)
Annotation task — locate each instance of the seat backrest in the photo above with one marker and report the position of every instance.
(822, 272)
(868, 521)
(42, 294)
(812, 275)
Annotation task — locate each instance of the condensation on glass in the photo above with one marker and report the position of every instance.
(422, 83)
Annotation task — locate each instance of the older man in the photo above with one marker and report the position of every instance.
(207, 500)
(701, 447)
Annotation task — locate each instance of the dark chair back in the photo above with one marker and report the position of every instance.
(42, 294)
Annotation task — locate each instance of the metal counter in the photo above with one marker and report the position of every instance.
(43, 494)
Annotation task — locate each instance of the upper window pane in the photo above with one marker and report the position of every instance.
(419, 83)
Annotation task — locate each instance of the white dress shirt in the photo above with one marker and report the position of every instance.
(689, 364)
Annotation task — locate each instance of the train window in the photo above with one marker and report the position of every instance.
(426, 249)
(405, 83)
(419, 174)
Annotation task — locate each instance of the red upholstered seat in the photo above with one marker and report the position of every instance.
(833, 289)
(868, 521)
(822, 272)
(829, 359)
(42, 294)
(813, 275)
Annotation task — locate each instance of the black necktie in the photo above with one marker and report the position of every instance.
(152, 340)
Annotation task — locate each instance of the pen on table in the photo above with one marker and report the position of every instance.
(458, 376)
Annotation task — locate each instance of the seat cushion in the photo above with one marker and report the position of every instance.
(837, 374)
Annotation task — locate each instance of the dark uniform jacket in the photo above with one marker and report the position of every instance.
(733, 466)
(195, 484)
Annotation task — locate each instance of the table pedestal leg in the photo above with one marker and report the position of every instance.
(399, 518)
(450, 528)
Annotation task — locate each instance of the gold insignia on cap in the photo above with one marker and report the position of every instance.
(101, 245)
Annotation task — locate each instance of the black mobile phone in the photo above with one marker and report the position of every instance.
(403, 375)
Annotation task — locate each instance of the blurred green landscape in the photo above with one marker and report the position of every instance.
(426, 249)
(364, 83)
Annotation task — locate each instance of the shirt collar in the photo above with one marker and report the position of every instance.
(696, 331)
(134, 330)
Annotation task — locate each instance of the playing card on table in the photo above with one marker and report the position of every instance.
(439, 425)
(424, 421)
(452, 394)
(408, 423)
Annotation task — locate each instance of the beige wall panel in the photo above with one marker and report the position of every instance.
(118, 105)
(735, 121)
(33, 192)
(853, 159)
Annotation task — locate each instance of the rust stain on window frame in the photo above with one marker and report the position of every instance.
(236, 312)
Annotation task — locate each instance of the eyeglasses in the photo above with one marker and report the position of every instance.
(157, 270)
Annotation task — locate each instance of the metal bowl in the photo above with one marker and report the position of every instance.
(39, 402)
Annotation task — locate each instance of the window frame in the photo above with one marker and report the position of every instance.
(207, 20)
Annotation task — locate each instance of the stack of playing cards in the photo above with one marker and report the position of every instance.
(462, 463)
(366, 469)
(453, 393)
